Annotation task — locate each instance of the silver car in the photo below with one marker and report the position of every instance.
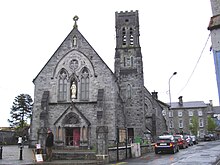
(194, 139)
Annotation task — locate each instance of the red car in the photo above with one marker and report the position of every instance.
(182, 143)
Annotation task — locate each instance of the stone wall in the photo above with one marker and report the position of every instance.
(7, 137)
(122, 152)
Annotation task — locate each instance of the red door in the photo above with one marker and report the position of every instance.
(76, 136)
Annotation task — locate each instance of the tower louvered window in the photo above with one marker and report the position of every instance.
(123, 36)
(62, 95)
(131, 37)
(85, 84)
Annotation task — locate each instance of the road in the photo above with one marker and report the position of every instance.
(204, 153)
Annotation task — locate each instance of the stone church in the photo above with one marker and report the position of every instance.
(85, 103)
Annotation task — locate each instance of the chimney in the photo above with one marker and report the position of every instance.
(180, 100)
(210, 102)
(154, 95)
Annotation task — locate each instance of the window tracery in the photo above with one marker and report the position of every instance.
(62, 95)
(85, 84)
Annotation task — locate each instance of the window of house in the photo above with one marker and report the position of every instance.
(200, 122)
(180, 113)
(201, 133)
(62, 94)
(171, 123)
(190, 121)
(200, 113)
(84, 84)
(170, 113)
(190, 113)
(180, 123)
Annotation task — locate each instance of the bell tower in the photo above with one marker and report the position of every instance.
(129, 70)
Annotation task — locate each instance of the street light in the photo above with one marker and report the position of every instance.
(174, 73)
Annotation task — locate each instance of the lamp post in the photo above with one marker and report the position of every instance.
(174, 73)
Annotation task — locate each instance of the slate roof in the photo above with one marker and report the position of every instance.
(190, 104)
(216, 109)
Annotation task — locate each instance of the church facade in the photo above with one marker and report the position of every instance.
(84, 102)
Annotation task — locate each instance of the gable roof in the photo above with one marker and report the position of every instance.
(77, 110)
(190, 104)
(73, 31)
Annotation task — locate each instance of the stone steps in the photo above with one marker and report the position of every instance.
(74, 155)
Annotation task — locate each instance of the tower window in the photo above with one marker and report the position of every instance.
(128, 61)
(124, 62)
(128, 91)
(132, 61)
(123, 36)
(131, 37)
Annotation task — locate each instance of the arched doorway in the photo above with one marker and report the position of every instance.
(72, 135)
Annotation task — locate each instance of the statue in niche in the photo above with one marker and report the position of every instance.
(73, 90)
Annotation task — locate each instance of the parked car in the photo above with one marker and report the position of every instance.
(166, 143)
(182, 143)
(188, 139)
(209, 137)
(194, 139)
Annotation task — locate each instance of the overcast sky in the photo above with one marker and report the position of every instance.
(173, 34)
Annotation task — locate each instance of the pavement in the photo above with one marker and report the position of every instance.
(11, 156)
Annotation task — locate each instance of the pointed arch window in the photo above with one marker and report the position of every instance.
(85, 84)
(74, 41)
(128, 91)
(132, 61)
(62, 94)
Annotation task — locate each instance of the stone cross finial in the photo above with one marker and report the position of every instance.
(75, 19)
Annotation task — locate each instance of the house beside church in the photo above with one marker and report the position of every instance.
(85, 103)
(181, 115)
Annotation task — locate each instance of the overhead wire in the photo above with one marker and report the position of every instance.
(196, 64)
